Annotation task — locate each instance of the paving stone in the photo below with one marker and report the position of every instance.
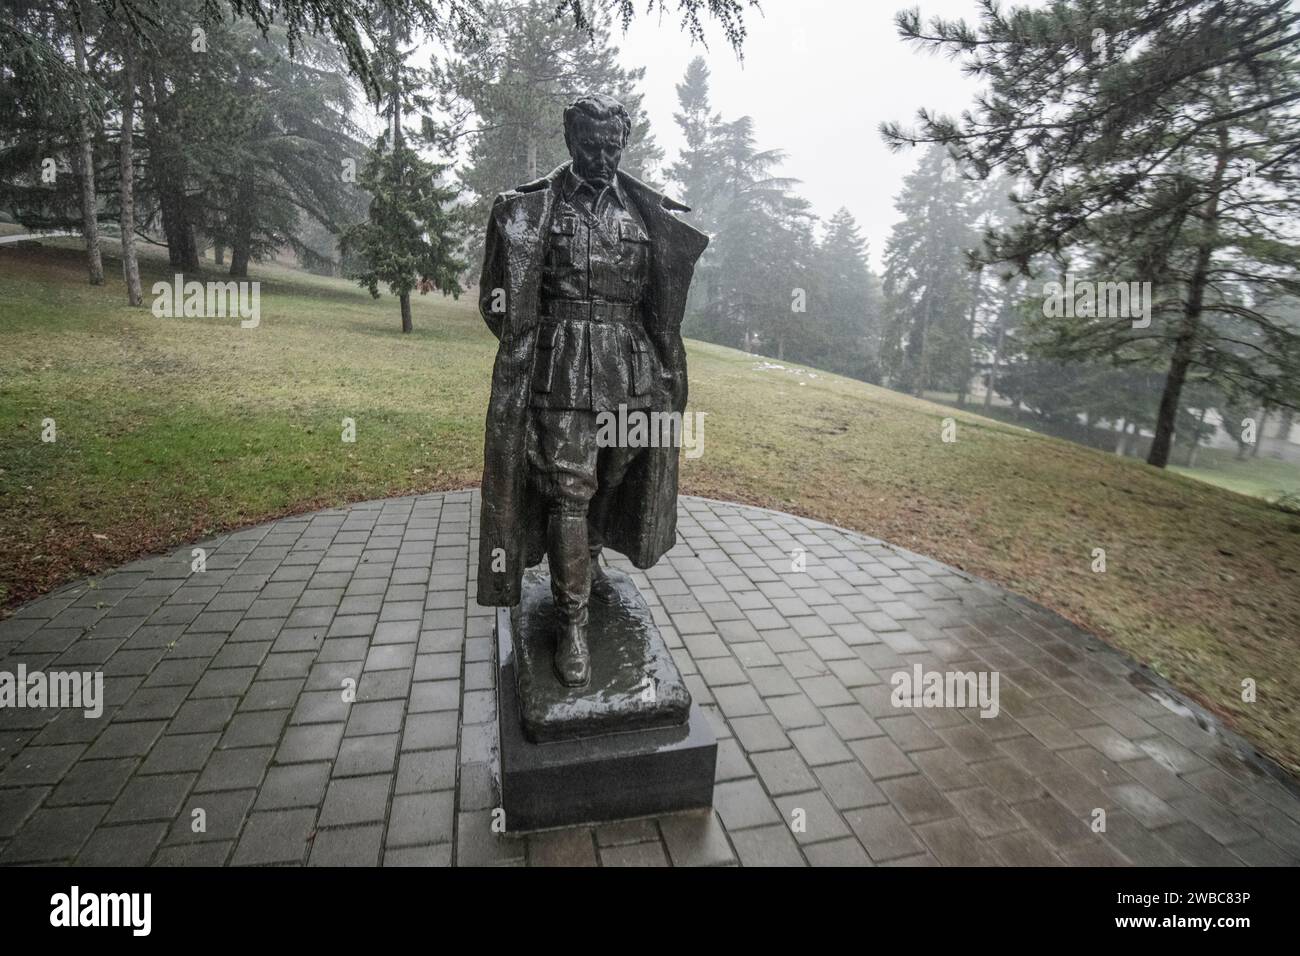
(883, 833)
(16, 805)
(1023, 848)
(194, 854)
(211, 816)
(478, 845)
(40, 765)
(421, 818)
(783, 771)
(226, 695)
(355, 800)
(425, 770)
(126, 740)
(845, 852)
(627, 831)
(984, 811)
(767, 846)
(810, 817)
(696, 839)
(819, 745)
(279, 836)
(179, 752)
(438, 854)
(634, 854)
(570, 847)
(882, 758)
(743, 803)
(916, 799)
(151, 798)
(953, 843)
(294, 785)
(53, 834)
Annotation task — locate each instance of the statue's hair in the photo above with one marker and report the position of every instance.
(598, 107)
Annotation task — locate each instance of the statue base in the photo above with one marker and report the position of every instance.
(631, 743)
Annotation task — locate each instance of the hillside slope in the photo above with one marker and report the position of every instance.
(169, 429)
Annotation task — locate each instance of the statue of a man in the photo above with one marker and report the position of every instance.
(585, 274)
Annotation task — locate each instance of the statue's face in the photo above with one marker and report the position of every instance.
(596, 147)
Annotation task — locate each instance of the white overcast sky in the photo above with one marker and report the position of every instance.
(818, 78)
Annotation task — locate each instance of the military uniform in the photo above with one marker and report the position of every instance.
(593, 354)
(585, 287)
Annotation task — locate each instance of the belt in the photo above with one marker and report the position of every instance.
(589, 310)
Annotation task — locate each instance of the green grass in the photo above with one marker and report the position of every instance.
(1262, 477)
(170, 429)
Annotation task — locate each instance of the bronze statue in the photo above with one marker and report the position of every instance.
(585, 274)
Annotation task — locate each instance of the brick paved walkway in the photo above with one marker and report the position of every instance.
(224, 708)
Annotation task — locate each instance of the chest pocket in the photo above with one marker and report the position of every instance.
(564, 230)
(630, 232)
(634, 257)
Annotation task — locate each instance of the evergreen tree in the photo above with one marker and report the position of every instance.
(1154, 142)
(928, 285)
(407, 240)
(850, 300)
(505, 91)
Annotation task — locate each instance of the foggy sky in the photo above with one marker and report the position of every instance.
(818, 77)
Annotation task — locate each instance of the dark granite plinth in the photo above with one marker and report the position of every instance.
(634, 682)
(648, 766)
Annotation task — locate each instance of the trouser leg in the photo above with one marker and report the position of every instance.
(563, 461)
(613, 465)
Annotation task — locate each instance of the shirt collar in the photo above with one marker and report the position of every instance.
(573, 183)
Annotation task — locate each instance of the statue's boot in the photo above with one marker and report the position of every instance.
(569, 558)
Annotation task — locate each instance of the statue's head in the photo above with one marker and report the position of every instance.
(596, 128)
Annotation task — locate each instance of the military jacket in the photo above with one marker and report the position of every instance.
(592, 349)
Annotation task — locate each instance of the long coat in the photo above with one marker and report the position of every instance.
(642, 517)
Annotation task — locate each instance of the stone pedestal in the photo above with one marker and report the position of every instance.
(631, 743)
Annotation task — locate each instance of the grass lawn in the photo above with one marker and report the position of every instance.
(1262, 476)
(170, 429)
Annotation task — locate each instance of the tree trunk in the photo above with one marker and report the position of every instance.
(86, 146)
(241, 239)
(1285, 425)
(1190, 327)
(967, 369)
(167, 164)
(1259, 432)
(219, 254)
(130, 265)
(1196, 439)
(406, 311)
(993, 369)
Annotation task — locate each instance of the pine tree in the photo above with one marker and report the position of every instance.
(407, 239)
(505, 92)
(1153, 142)
(850, 300)
(928, 286)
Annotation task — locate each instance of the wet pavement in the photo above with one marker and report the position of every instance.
(322, 693)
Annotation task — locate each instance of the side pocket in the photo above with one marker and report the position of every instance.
(642, 368)
(544, 357)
